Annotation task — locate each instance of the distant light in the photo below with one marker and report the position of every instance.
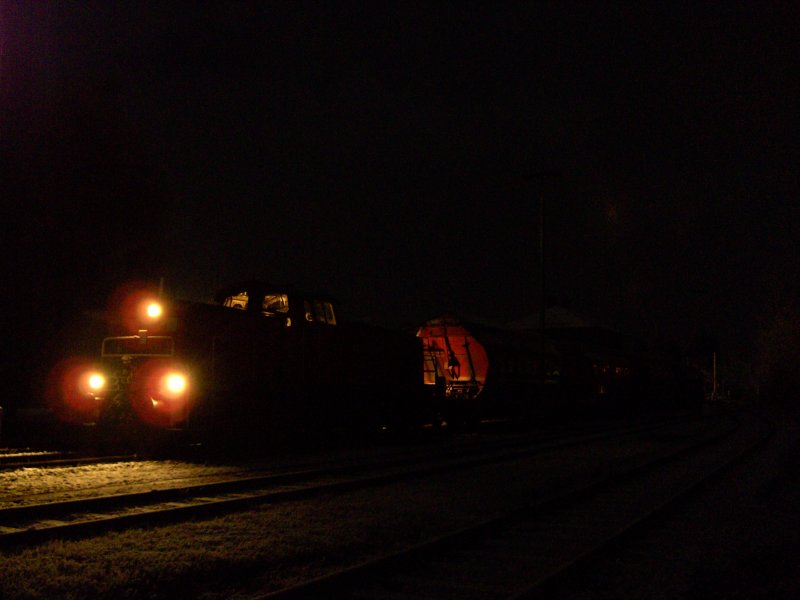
(154, 310)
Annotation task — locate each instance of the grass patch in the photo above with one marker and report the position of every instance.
(265, 548)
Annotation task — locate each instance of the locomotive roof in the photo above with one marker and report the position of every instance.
(256, 287)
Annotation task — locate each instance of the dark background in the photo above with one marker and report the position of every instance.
(395, 156)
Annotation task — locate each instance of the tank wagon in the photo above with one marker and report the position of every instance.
(482, 372)
(263, 360)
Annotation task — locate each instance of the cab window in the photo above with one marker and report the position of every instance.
(318, 311)
(275, 303)
(323, 312)
(330, 318)
(238, 301)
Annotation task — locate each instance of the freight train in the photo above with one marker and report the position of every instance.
(265, 361)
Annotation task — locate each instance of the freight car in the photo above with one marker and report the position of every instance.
(262, 362)
(480, 372)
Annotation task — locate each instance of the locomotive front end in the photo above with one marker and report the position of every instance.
(137, 380)
(144, 382)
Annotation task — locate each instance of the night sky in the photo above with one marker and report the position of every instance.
(395, 156)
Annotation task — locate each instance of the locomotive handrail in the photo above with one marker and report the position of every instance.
(144, 343)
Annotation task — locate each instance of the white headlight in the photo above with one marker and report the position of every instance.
(154, 310)
(96, 381)
(175, 383)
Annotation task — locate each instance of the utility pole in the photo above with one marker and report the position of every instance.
(541, 266)
(542, 177)
(714, 378)
(542, 306)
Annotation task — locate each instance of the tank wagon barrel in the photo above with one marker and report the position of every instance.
(484, 372)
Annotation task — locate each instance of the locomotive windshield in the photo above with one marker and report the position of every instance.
(319, 311)
(285, 306)
(237, 301)
(271, 304)
(275, 303)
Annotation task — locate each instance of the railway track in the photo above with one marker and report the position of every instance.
(25, 460)
(525, 553)
(32, 523)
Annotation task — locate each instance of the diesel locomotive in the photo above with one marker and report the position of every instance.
(263, 360)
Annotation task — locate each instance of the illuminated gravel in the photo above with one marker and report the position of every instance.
(274, 545)
(47, 484)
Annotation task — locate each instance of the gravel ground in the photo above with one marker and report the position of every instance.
(31, 485)
(277, 545)
(35, 484)
(737, 539)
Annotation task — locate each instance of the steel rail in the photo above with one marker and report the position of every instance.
(29, 524)
(63, 460)
(545, 586)
(390, 574)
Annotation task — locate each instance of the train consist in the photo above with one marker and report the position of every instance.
(266, 361)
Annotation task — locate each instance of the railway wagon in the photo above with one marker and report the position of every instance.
(263, 360)
(484, 372)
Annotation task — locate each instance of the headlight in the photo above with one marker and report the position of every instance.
(96, 381)
(174, 384)
(75, 388)
(160, 393)
(154, 310)
(91, 382)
